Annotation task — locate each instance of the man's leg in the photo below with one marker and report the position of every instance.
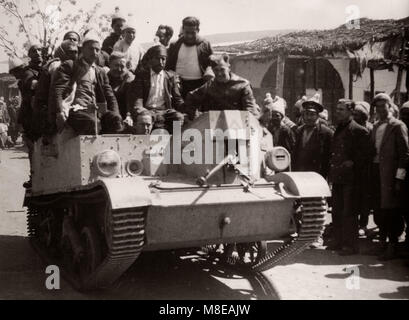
(337, 208)
(83, 123)
(349, 221)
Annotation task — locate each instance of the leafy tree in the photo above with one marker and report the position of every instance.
(28, 22)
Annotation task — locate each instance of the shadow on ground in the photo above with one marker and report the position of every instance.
(161, 275)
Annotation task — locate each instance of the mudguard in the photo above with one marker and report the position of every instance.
(303, 184)
(127, 192)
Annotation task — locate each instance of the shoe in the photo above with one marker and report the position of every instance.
(348, 251)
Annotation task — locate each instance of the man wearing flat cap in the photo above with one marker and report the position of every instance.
(156, 90)
(350, 151)
(390, 139)
(81, 86)
(227, 91)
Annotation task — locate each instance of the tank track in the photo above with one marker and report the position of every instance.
(313, 211)
(124, 236)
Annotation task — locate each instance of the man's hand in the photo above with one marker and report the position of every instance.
(60, 121)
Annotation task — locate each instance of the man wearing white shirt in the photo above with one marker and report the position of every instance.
(130, 48)
(156, 90)
(189, 57)
(391, 156)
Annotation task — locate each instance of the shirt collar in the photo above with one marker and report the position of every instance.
(153, 73)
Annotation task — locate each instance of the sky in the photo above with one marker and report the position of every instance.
(225, 16)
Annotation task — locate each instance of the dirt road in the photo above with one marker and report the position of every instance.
(315, 274)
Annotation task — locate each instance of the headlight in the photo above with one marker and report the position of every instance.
(107, 163)
(278, 159)
(134, 168)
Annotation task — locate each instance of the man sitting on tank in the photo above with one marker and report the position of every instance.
(156, 90)
(227, 91)
(81, 87)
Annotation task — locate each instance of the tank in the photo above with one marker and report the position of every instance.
(98, 202)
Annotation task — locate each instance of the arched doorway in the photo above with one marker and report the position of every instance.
(306, 73)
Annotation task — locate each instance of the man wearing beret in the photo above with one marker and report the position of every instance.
(156, 90)
(350, 150)
(390, 138)
(227, 91)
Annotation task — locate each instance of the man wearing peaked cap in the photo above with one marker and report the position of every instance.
(313, 104)
(226, 91)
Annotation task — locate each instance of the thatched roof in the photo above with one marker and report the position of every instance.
(324, 42)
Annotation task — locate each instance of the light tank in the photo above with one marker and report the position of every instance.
(98, 202)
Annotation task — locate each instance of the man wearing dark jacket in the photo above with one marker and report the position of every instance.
(155, 89)
(120, 79)
(350, 152)
(313, 141)
(227, 91)
(390, 139)
(189, 57)
(118, 22)
(88, 86)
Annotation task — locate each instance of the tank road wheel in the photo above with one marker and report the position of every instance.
(255, 250)
(68, 255)
(92, 255)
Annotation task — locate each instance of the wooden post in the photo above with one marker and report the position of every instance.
(372, 94)
(351, 81)
(396, 98)
(280, 75)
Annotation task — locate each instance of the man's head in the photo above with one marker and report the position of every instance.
(383, 105)
(361, 112)
(404, 113)
(221, 67)
(157, 58)
(91, 47)
(117, 24)
(344, 110)
(311, 110)
(68, 50)
(164, 34)
(117, 64)
(35, 54)
(129, 34)
(73, 37)
(191, 28)
(144, 123)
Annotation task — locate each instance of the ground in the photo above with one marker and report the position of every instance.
(314, 274)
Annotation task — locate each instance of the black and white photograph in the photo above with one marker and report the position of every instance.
(217, 151)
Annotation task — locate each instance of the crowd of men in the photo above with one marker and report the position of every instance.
(366, 163)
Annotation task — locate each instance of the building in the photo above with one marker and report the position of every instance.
(356, 60)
